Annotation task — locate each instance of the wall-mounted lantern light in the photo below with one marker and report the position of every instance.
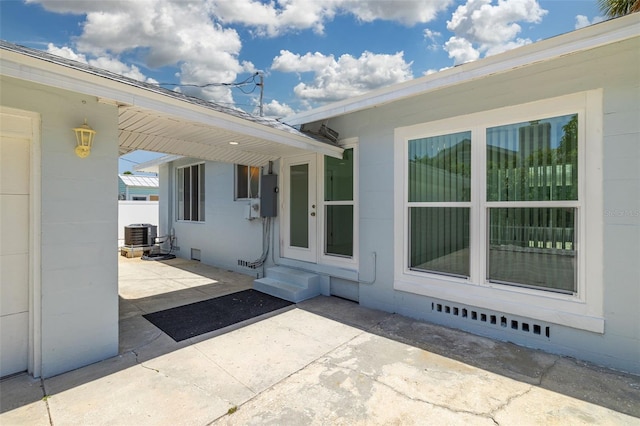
(84, 139)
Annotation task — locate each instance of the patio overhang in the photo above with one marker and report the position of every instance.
(199, 134)
(155, 119)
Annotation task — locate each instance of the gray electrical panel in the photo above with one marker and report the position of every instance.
(269, 196)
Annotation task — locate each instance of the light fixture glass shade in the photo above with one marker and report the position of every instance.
(84, 139)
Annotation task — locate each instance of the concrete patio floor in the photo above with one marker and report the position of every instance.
(322, 361)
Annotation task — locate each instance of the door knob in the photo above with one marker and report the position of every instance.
(313, 213)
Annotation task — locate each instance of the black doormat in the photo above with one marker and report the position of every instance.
(198, 318)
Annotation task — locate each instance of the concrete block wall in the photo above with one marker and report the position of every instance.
(79, 214)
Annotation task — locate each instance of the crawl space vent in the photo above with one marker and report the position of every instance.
(493, 318)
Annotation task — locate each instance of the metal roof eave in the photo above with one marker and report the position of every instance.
(586, 38)
(124, 92)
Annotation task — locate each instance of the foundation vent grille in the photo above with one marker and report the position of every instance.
(492, 318)
(247, 264)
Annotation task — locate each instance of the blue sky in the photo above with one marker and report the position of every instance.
(310, 51)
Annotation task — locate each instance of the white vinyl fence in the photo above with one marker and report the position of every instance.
(130, 212)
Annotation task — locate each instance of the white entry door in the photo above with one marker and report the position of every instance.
(299, 212)
(14, 238)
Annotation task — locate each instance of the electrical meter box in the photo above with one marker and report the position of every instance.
(269, 196)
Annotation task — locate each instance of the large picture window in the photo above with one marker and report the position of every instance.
(531, 183)
(190, 193)
(491, 209)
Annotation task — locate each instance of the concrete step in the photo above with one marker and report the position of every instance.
(289, 284)
(292, 276)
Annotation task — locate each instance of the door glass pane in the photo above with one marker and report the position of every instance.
(533, 247)
(187, 193)
(440, 168)
(439, 240)
(339, 230)
(201, 192)
(534, 161)
(338, 177)
(195, 184)
(299, 206)
(180, 197)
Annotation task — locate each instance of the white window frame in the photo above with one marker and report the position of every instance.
(582, 310)
(331, 259)
(236, 182)
(201, 207)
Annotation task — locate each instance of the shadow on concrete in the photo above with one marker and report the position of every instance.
(140, 341)
(607, 388)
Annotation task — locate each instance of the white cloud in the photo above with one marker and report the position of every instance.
(160, 33)
(430, 34)
(406, 12)
(432, 38)
(66, 52)
(461, 50)
(292, 62)
(277, 109)
(104, 62)
(278, 16)
(345, 77)
(274, 18)
(76, 7)
(482, 27)
(583, 21)
(118, 67)
(195, 37)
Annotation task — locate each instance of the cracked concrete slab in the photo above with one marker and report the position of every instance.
(542, 407)
(324, 393)
(192, 367)
(135, 395)
(268, 351)
(324, 361)
(22, 401)
(428, 377)
(500, 357)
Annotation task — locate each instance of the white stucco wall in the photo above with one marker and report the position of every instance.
(225, 236)
(615, 69)
(79, 286)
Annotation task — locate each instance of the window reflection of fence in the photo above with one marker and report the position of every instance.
(532, 237)
(540, 228)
